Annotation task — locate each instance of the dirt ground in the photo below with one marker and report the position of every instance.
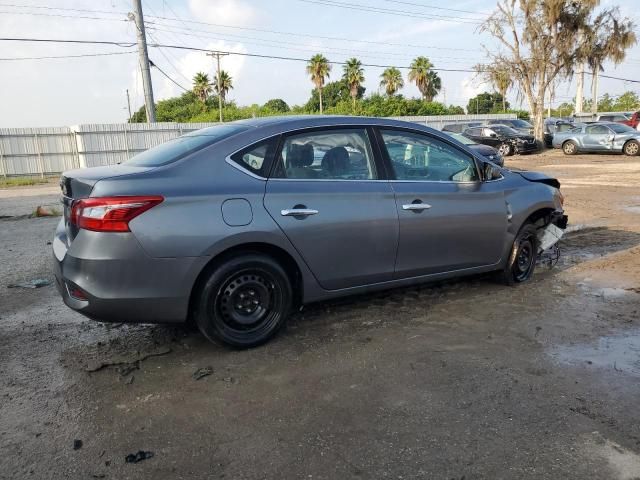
(461, 380)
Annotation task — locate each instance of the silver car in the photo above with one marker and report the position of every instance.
(606, 137)
(233, 226)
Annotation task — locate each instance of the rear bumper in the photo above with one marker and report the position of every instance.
(119, 281)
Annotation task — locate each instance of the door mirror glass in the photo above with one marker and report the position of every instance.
(490, 172)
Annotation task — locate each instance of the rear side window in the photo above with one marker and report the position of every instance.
(182, 146)
(257, 158)
(336, 154)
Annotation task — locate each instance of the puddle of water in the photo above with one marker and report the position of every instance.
(616, 352)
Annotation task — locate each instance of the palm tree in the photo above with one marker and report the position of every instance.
(391, 80)
(354, 76)
(318, 68)
(427, 81)
(502, 82)
(226, 84)
(612, 45)
(201, 86)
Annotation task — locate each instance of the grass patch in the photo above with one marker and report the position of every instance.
(22, 182)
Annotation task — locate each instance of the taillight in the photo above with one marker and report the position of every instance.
(110, 214)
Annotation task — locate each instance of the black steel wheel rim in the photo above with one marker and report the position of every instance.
(525, 257)
(248, 301)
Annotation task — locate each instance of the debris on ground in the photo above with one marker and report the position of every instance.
(36, 283)
(138, 457)
(202, 372)
(77, 444)
(46, 211)
(126, 365)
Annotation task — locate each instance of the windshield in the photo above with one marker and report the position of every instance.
(521, 124)
(462, 138)
(182, 146)
(620, 128)
(502, 130)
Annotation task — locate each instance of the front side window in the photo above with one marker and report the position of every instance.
(487, 132)
(474, 132)
(424, 158)
(336, 154)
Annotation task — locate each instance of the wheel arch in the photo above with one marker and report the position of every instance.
(275, 252)
(569, 140)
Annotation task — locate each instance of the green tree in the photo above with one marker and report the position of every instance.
(318, 68)
(225, 84)
(427, 81)
(201, 86)
(277, 105)
(332, 94)
(354, 77)
(486, 103)
(391, 81)
(628, 101)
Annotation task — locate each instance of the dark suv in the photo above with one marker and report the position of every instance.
(505, 139)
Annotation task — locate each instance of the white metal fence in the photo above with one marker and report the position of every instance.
(52, 150)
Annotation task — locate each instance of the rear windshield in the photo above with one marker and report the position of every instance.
(520, 124)
(182, 146)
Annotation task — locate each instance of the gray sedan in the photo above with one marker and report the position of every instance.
(606, 137)
(234, 226)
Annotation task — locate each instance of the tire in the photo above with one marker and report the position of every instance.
(505, 149)
(244, 301)
(631, 148)
(569, 147)
(523, 258)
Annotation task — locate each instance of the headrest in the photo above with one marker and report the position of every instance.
(336, 161)
(300, 155)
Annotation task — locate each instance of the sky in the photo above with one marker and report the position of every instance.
(92, 89)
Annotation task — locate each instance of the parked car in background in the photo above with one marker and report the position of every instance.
(599, 137)
(521, 126)
(505, 139)
(614, 117)
(553, 125)
(484, 150)
(236, 225)
(459, 127)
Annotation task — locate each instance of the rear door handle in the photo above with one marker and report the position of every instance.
(416, 206)
(298, 212)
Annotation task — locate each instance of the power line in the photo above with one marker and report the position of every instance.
(306, 35)
(421, 5)
(167, 76)
(80, 17)
(245, 54)
(388, 11)
(66, 56)
(46, 7)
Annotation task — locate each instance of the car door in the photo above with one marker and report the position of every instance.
(449, 219)
(327, 194)
(598, 138)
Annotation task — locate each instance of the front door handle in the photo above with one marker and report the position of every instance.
(298, 212)
(416, 206)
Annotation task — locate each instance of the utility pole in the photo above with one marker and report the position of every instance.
(594, 91)
(444, 96)
(579, 88)
(217, 55)
(143, 59)
(129, 104)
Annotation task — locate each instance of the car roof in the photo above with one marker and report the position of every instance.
(302, 121)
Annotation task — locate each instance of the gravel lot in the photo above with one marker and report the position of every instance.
(466, 379)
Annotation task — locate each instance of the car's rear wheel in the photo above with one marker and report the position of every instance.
(523, 258)
(631, 148)
(569, 148)
(505, 149)
(244, 301)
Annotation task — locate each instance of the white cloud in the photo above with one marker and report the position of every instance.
(233, 12)
(472, 86)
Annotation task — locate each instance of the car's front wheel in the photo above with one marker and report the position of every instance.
(631, 148)
(505, 149)
(244, 301)
(523, 258)
(569, 148)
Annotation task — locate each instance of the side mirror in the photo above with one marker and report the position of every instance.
(493, 135)
(490, 172)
